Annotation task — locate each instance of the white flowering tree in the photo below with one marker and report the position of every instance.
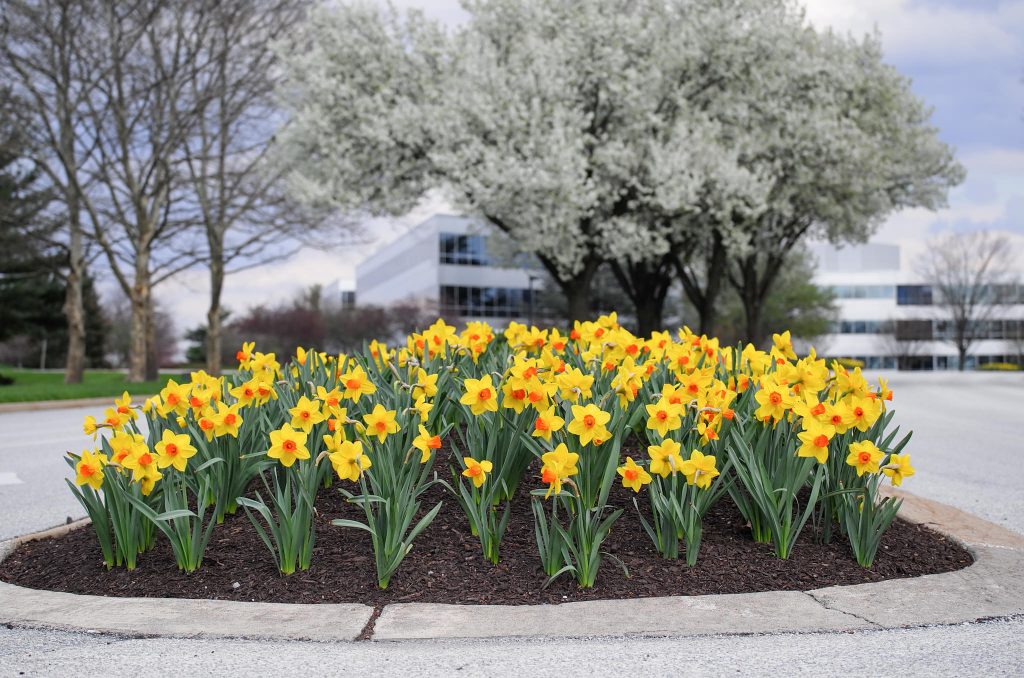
(841, 145)
(692, 137)
(566, 125)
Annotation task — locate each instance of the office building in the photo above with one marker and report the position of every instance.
(443, 265)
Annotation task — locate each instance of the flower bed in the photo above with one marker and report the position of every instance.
(555, 457)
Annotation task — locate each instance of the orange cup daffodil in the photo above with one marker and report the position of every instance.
(634, 477)
(480, 395)
(174, 449)
(288, 445)
(477, 470)
(381, 422)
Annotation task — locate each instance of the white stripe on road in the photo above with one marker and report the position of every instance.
(10, 479)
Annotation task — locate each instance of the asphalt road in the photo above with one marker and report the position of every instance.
(967, 447)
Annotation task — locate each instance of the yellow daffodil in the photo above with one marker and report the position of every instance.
(331, 400)
(227, 420)
(425, 384)
(174, 398)
(347, 458)
(783, 344)
(288, 445)
(174, 449)
(477, 470)
(114, 419)
(425, 442)
(357, 384)
(774, 400)
(699, 469)
(89, 469)
(244, 356)
(89, 426)
(898, 468)
(142, 463)
(123, 405)
(148, 480)
(246, 394)
(664, 416)
(574, 385)
(588, 423)
(633, 477)
(380, 422)
(558, 465)
(516, 391)
(480, 395)
(423, 407)
(207, 421)
(546, 423)
(665, 458)
(865, 457)
(124, 445)
(864, 412)
(306, 414)
(815, 439)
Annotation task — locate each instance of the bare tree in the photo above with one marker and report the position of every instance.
(43, 42)
(142, 114)
(241, 201)
(971, 276)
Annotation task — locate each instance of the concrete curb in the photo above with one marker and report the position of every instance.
(37, 405)
(992, 587)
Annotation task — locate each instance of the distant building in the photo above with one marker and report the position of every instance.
(340, 294)
(443, 264)
(889, 318)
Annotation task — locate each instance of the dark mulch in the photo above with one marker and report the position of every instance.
(446, 565)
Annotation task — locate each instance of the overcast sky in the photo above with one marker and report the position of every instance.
(965, 58)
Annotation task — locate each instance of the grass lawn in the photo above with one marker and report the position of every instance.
(31, 385)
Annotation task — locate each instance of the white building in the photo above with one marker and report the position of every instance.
(340, 294)
(443, 264)
(888, 317)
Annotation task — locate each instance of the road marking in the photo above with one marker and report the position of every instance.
(10, 479)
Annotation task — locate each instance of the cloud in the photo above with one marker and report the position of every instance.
(931, 32)
(992, 199)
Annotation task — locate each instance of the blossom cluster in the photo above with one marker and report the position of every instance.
(566, 414)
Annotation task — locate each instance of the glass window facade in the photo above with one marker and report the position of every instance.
(864, 291)
(914, 295)
(464, 250)
(485, 302)
(860, 327)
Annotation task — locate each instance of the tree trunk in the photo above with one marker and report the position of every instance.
(578, 298)
(74, 308)
(752, 311)
(576, 289)
(152, 348)
(213, 319)
(137, 349)
(141, 300)
(705, 300)
(962, 351)
(649, 314)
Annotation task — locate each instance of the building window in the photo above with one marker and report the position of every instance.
(861, 327)
(485, 302)
(864, 291)
(464, 250)
(914, 295)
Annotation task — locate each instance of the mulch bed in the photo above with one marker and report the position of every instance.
(446, 564)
